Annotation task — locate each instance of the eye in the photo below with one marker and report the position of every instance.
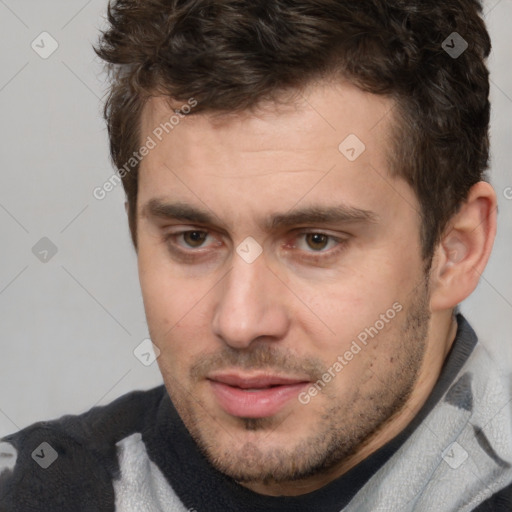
(316, 246)
(189, 246)
(194, 238)
(317, 241)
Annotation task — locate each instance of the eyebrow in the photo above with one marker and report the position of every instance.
(307, 215)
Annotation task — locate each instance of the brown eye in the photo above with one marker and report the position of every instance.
(194, 238)
(318, 247)
(317, 241)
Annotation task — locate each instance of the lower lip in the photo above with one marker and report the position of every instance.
(254, 404)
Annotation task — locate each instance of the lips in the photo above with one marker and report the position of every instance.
(254, 396)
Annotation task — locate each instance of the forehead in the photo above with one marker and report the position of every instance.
(330, 144)
(323, 111)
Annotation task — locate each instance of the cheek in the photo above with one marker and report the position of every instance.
(161, 287)
(343, 307)
(164, 300)
(175, 311)
(364, 312)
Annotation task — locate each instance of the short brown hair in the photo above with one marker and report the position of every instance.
(231, 55)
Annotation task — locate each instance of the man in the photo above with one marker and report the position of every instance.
(305, 194)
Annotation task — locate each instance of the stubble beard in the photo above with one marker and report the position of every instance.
(340, 430)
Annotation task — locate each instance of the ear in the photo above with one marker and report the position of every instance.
(464, 249)
(126, 207)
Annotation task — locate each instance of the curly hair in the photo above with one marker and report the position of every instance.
(232, 55)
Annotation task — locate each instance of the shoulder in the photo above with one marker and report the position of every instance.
(56, 465)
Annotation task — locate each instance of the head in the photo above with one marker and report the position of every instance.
(307, 207)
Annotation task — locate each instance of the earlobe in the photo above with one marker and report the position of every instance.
(464, 250)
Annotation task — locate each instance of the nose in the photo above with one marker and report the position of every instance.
(251, 304)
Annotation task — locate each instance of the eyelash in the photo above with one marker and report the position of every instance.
(320, 256)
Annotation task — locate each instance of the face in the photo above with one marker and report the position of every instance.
(282, 280)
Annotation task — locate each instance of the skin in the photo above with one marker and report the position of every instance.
(285, 313)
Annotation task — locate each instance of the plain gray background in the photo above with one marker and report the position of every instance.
(69, 325)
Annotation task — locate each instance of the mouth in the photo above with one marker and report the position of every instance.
(254, 396)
